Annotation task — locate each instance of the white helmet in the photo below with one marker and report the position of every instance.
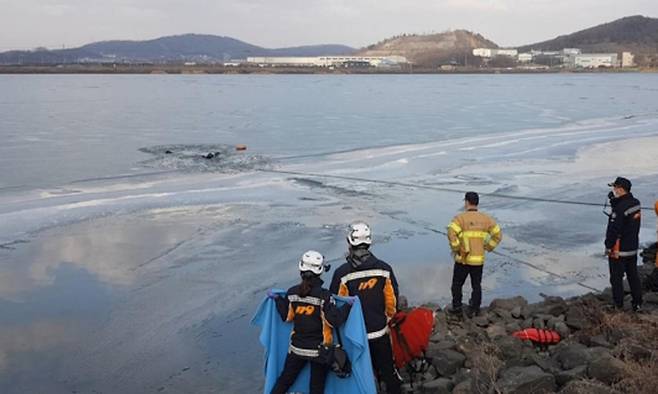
(312, 261)
(359, 234)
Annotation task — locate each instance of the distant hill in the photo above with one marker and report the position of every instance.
(431, 49)
(188, 47)
(637, 34)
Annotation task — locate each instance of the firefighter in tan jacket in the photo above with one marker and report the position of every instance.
(470, 234)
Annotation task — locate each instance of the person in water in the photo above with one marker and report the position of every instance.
(314, 314)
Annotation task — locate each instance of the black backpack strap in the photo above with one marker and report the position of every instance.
(340, 341)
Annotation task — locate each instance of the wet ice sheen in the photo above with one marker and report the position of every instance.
(127, 269)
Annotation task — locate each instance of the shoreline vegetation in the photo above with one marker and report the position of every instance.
(220, 69)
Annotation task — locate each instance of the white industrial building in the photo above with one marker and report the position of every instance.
(525, 57)
(570, 57)
(283, 61)
(328, 61)
(595, 60)
(482, 52)
(506, 52)
(491, 52)
(571, 51)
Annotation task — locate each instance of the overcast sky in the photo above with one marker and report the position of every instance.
(277, 23)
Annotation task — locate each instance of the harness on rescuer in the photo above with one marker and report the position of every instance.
(410, 337)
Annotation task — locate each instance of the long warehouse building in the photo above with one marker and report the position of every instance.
(328, 61)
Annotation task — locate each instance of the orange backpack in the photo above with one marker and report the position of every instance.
(410, 335)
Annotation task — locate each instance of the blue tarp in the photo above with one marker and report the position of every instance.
(275, 337)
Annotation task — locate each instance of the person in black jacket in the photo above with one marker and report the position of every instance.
(371, 279)
(314, 314)
(622, 243)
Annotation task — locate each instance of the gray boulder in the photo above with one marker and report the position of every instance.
(553, 322)
(575, 319)
(462, 375)
(539, 323)
(554, 306)
(438, 386)
(522, 380)
(437, 336)
(509, 346)
(513, 327)
(463, 388)
(545, 363)
(562, 329)
(496, 331)
(508, 303)
(448, 361)
(595, 352)
(564, 377)
(436, 348)
(606, 368)
(651, 298)
(599, 340)
(571, 355)
(498, 315)
(481, 321)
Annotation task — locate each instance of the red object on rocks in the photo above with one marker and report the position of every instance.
(410, 334)
(539, 336)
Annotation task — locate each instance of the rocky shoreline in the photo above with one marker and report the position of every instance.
(601, 350)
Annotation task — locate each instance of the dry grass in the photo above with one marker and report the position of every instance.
(587, 386)
(641, 377)
(636, 337)
(487, 363)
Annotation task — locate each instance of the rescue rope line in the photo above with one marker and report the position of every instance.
(523, 262)
(435, 188)
(506, 256)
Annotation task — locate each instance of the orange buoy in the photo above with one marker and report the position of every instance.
(240, 147)
(538, 336)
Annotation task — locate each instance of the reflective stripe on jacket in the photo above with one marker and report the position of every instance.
(471, 234)
(313, 316)
(376, 286)
(624, 224)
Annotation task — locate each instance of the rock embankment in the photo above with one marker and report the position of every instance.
(602, 350)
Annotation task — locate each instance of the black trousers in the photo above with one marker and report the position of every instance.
(627, 265)
(381, 354)
(293, 366)
(459, 275)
